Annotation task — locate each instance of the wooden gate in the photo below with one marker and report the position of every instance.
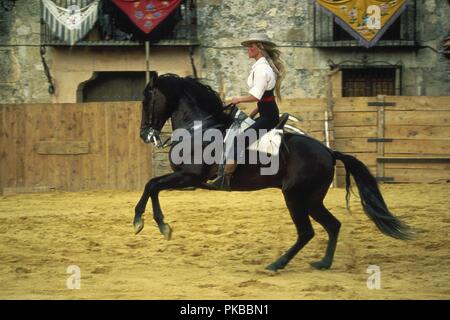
(72, 147)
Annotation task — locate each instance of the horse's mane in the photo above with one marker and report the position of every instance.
(175, 87)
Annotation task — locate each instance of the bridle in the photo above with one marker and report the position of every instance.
(148, 133)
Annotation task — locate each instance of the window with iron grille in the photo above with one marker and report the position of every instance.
(368, 82)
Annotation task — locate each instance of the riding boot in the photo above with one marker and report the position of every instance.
(222, 182)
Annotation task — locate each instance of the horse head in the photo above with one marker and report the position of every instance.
(164, 95)
(156, 110)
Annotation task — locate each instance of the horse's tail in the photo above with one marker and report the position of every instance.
(371, 199)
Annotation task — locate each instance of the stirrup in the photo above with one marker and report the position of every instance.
(221, 183)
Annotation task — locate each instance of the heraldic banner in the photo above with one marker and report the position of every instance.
(365, 20)
(147, 14)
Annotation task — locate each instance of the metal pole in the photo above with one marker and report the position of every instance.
(147, 62)
(329, 138)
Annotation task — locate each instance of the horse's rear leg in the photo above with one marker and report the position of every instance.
(299, 213)
(332, 226)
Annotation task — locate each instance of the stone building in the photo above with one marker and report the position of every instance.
(205, 39)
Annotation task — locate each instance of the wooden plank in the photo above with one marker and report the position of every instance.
(74, 132)
(303, 103)
(418, 118)
(301, 108)
(381, 104)
(310, 115)
(419, 175)
(384, 179)
(380, 141)
(354, 145)
(36, 168)
(319, 135)
(297, 106)
(11, 139)
(4, 145)
(62, 147)
(380, 135)
(403, 103)
(355, 132)
(94, 174)
(341, 171)
(418, 147)
(353, 104)
(418, 132)
(118, 147)
(419, 165)
(416, 103)
(414, 159)
(351, 119)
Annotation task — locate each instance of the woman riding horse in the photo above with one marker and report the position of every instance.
(266, 75)
(306, 168)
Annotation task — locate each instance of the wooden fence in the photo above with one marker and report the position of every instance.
(401, 139)
(97, 145)
(72, 147)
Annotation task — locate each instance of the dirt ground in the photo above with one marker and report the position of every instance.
(221, 244)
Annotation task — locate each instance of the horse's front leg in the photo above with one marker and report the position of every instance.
(152, 189)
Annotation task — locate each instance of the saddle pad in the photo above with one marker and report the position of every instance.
(268, 143)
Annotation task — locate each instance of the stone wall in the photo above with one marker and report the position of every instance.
(222, 24)
(22, 78)
(220, 60)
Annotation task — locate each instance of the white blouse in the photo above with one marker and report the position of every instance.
(261, 78)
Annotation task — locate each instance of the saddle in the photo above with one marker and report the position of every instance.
(269, 143)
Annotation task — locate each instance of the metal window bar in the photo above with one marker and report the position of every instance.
(368, 82)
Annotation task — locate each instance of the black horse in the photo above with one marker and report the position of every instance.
(305, 174)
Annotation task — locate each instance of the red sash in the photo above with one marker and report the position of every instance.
(268, 99)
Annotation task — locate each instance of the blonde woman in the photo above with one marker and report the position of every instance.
(265, 78)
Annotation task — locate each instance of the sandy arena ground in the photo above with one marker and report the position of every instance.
(221, 245)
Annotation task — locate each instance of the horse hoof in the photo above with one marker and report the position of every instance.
(138, 226)
(166, 231)
(272, 267)
(320, 265)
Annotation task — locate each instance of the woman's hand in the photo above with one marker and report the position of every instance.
(235, 100)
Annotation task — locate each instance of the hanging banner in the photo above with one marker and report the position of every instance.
(147, 14)
(70, 24)
(365, 20)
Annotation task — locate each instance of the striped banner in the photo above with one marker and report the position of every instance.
(70, 24)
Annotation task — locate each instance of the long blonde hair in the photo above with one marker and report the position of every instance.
(273, 57)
